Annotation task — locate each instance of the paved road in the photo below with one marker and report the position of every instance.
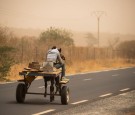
(84, 88)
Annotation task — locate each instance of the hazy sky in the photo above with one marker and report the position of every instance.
(74, 15)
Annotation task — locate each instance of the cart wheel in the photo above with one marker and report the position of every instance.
(20, 93)
(65, 95)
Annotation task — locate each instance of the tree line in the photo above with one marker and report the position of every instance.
(28, 48)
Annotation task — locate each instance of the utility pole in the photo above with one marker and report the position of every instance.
(36, 54)
(98, 15)
(22, 50)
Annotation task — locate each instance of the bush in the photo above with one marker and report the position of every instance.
(6, 61)
(57, 37)
(127, 49)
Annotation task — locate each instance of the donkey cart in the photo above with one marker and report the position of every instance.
(57, 85)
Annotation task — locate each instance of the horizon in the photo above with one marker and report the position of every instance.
(79, 37)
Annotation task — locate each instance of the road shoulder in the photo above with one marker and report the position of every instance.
(123, 104)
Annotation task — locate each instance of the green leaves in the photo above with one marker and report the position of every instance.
(57, 36)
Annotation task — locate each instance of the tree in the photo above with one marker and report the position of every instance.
(91, 40)
(113, 43)
(6, 61)
(3, 36)
(127, 49)
(6, 56)
(57, 36)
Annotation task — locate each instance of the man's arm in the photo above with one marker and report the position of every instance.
(62, 56)
(60, 59)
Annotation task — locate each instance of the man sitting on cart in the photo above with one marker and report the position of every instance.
(54, 56)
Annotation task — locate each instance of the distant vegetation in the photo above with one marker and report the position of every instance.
(91, 40)
(57, 36)
(14, 50)
(6, 61)
(6, 56)
(127, 49)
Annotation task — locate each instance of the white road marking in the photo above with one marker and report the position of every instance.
(78, 102)
(82, 73)
(100, 71)
(115, 75)
(125, 89)
(47, 111)
(41, 87)
(123, 68)
(7, 82)
(71, 75)
(87, 79)
(111, 69)
(123, 94)
(105, 95)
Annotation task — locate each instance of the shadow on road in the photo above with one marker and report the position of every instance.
(36, 102)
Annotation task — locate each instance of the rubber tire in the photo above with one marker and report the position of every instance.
(64, 94)
(20, 93)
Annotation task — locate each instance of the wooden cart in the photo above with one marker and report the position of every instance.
(57, 88)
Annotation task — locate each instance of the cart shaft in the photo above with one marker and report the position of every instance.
(41, 93)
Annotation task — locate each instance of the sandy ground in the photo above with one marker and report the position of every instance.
(115, 105)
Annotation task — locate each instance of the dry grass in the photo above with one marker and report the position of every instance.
(78, 67)
(15, 69)
(87, 66)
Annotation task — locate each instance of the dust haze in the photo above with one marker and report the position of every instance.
(74, 15)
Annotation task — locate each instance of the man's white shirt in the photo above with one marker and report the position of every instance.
(52, 55)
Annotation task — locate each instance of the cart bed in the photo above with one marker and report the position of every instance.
(34, 72)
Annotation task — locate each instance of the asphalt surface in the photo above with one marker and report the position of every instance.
(84, 88)
(122, 104)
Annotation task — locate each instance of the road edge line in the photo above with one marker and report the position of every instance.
(74, 74)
